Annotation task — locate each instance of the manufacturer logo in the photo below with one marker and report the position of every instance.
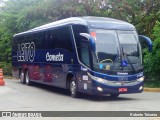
(119, 73)
(123, 79)
(122, 83)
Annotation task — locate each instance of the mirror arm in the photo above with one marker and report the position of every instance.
(149, 42)
(85, 35)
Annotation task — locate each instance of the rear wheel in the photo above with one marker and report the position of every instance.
(28, 82)
(22, 77)
(73, 88)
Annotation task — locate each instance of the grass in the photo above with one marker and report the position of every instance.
(8, 77)
(152, 84)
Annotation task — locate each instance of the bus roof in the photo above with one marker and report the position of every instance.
(90, 21)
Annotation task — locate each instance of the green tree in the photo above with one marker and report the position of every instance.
(152, 60)
(21, 15)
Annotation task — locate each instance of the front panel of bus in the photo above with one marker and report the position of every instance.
(116, 63)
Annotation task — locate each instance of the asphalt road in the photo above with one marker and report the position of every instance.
(15, 96)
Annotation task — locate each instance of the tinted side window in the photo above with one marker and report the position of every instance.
(36, 38)
(59, 38)
(81, 43)
(85, 52)
(82, 51)
(14, 43)
(63, 38)
(49, 40)
(28, 38)
(42, 37)
(77, 29)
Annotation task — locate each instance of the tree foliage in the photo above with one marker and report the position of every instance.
(21, 15)
(152, 60)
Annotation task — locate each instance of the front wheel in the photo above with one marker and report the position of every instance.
(73, 88)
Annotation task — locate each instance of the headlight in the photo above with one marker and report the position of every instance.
(97, 79)
(141, 79)
(100, 80)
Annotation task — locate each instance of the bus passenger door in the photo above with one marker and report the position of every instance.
(85, 59)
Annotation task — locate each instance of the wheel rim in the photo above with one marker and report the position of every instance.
(27, 78)
(22, 76)
(73, 88)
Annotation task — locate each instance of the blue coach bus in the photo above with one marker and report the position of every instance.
(92, 55)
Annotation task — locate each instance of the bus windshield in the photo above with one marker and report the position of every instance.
(116, 50)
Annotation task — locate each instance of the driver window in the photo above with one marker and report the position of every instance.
(84, 54)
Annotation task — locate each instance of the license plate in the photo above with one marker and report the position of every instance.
(122, 89)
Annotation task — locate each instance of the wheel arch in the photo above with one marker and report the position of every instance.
(24, 69)
(20, 69)
(69, 77)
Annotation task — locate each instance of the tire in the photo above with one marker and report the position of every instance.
(115, 95)
(27, 79)
(22, 77)
(73, 88)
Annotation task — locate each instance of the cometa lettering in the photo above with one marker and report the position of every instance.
(58, 57)
(119, 73)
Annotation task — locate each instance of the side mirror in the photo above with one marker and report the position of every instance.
(147, 40)
(91, 41)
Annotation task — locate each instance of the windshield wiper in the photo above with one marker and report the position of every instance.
(125, 55)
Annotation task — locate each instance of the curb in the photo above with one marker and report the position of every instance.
(8, 77)
(151, 89)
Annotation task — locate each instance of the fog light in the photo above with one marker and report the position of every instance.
(99, 89)
(140, 88)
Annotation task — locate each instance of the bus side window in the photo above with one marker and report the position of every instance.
(49, 41)
(60, 38)
(41, 40)
(77, 29)
(14, 44)
(84, 51)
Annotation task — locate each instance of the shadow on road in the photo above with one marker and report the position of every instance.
(105, 98)
(65, 92)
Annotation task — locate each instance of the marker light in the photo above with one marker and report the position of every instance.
(97, 79)
(93, 34)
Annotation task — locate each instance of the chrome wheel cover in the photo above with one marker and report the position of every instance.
(27, 78)
(73, 88)
(22, 77)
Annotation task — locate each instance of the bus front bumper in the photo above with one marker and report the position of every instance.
(103, 89)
